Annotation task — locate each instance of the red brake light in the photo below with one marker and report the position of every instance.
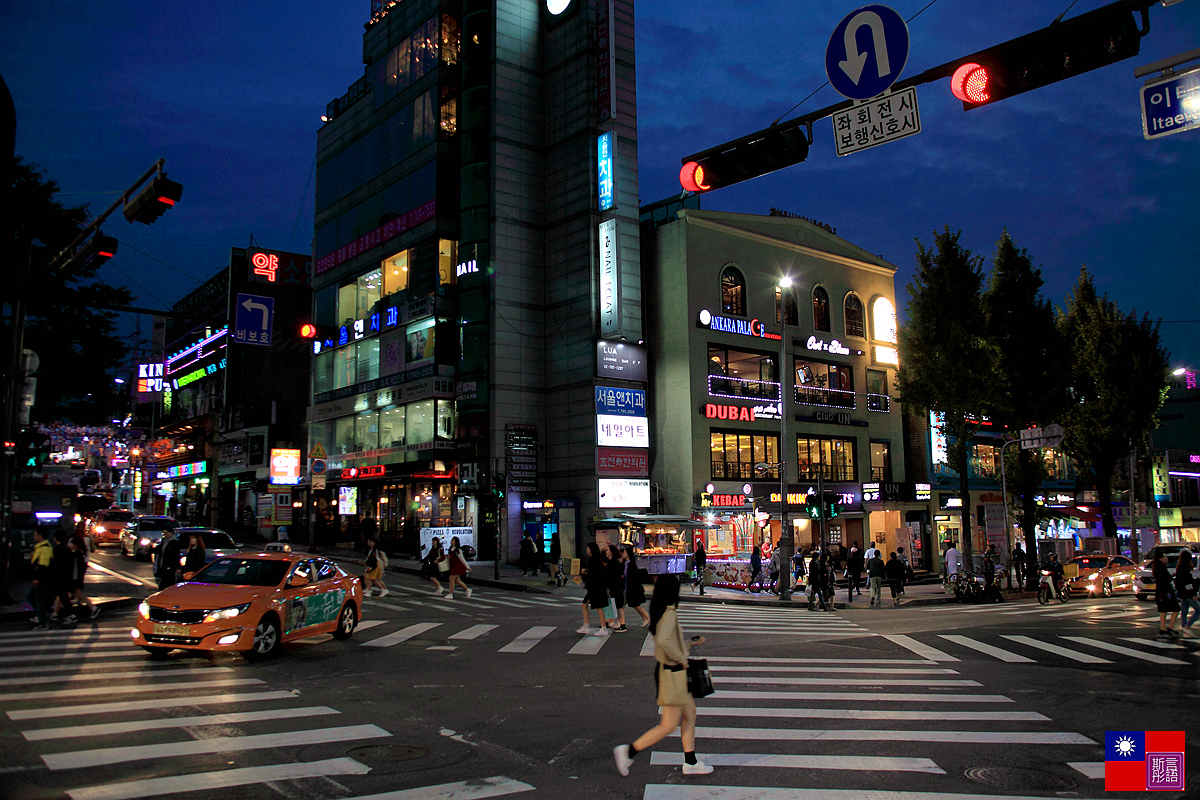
(970, 83)
(691, 177)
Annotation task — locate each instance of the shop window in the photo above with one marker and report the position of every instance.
(741, 373)
(322, 433)
(368, 360)
(733, 291)
(831, 459)
(444, 509)
(325, 306)
(785, 307)
(323, 380)
(419, 422)
(391, 427)
(345, 360)
(855, 319)
(395, 273)
(447, 261)
(735, 454)
(820, 302)
(366, 430)
(445, 419)
(821, 384)
(881, 461)
(985, 461)
(343, 435)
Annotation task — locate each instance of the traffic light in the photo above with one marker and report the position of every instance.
(814, 506)
(498, 487)
(1061, 50)
(740, 161)
(308, 331)
(35, 449)
(835, 507)
(95, 251)
(153, 201)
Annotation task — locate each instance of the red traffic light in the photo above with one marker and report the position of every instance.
(971, 83)
(308, 330)
(691, 177)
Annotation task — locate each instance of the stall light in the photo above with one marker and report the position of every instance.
(383, 500)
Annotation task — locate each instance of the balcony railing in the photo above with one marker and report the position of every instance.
(879, 402)
(721, 386)
(739, 471)
(818, 396)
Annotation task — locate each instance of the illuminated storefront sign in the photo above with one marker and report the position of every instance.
(834, 347)
(620, 461)
(180, 471)
(372, 471)
(937, 438)
(622, 402)
(150, 378)
(604, 169)
(197, 374)
(348, 500)
(924, 491)
(624, 492)
(610, 279)
(204, 350)
(618, 431)
(466, 268)
(620, 360)
(741, 327)
(732, 413)
(264, 265)
(285, 466)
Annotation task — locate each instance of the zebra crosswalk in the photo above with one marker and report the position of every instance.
(203, 725)
(1047, 649)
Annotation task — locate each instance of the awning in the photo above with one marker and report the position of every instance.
(1072, 512)
(650, 519)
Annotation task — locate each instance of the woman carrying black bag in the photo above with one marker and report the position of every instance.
(670, 678)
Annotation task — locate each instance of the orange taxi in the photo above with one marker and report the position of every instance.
(252, 603)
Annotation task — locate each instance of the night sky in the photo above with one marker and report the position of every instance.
(231, 95)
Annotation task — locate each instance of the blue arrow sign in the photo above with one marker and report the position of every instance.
(253, 318)
(1171, 105)
(867, 52)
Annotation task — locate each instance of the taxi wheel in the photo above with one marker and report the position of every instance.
(347, 622)
(157, 653)
(1107, 588)
(266, 639)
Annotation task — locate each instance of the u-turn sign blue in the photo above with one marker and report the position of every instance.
(867, 52)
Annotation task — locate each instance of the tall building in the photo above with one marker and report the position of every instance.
(476, 237)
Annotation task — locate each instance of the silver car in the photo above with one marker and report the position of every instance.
(142, 534)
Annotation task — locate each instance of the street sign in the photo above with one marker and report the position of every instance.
(252, 319)
(318, 482)
(1171, 105)
(317, 467)
(318, 452)
(1049, 436)
(867, 52)
(875, 122)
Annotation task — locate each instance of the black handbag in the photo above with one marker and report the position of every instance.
(699, 681)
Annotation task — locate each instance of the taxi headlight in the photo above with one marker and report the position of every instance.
(144, 610)
(226, 613)
(143, 541)
(1093, 576)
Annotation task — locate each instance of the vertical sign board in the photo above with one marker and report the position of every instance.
(606, 61)
(610, 280)
(604, 169)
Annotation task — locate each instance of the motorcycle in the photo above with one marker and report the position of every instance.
(968, 587)
(1046, 591)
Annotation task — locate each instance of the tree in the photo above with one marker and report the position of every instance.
(78, 346)
(945, 359)
(1118, 380)
(1030, 384)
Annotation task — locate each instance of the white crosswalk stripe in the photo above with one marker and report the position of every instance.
(589, 645)
(473, 632)
(219, 779)
(1086, 658)
(861, 763)
(923, 650)
(388, 640)
(83, 709)
(234, 718)
(142, 688)
(1116, 648)
(526, 641)
(987, 649)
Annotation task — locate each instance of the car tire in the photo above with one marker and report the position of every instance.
(1107, 589)
(347, 622)
(157, 653)
(265, 643)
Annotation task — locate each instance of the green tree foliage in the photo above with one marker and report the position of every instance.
(1118, 380)
(945, 359)
(77, 345)
(1030, 384)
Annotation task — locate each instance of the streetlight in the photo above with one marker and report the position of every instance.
(786, 541)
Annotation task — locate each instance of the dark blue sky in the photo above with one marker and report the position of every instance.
(231, 95)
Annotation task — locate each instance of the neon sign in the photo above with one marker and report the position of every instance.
(180, 471)
(604, 169)
(285, 466)
(735, 413)
(821, 346)
(465, 268)
(373, 471)
(265, 264)
(741, 327)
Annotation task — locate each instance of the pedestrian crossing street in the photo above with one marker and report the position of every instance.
(800, 729)
(168, 720)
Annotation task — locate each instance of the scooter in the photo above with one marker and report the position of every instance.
(1046, 591)
(969, 587)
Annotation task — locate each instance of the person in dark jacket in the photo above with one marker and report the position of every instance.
(830, 579)
(79, 565)
(615, 568)
(855, 562)
(166, 569)
(895, 571)
(61, 567)
(756, 572)
(1185, 590)
(816, 580)
(194, 560)
(526, 557)
(635, 591)
(595, 583)
(700, 562)
(555, 557)
(1164, 596)
(876, 572)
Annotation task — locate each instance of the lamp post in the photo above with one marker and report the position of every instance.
(786, 540)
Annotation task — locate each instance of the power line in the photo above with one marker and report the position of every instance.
(159, 260)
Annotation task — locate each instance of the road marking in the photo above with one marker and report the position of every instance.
(647, 645)
(1085, 658)
(778, 681)
(525, 642)
(839, 669)
(843, 735)
(141, 688)
(923, 650)
(219, 779)
(149, 668)
(675, 791)
(367, 624)
(870, 713)
(1158, 644)
(69, 633)
(987, 649)
(402, 635)
(1035, 610)
(1090, 769)
(1117, 614)
(111, 728)
(589, 645)
(148, 705)
(790, 633)
(868, 763)
(81, 759)
(897, 697)
(750, 660)
(103, 676)
(473, 632)
(1127, 651)
(119, 653)
(496, 786)
(70, 648)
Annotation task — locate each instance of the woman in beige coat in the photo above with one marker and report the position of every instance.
(678, 709)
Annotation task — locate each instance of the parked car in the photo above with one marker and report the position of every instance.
(1102, 574)
(251, 603)
(142, 534)
(108, 524)
(217, 544)
(1143, 583)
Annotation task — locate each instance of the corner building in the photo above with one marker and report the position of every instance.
(462, 184)
(720, 324)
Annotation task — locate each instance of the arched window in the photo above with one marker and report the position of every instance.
(856, 324)
(733, 292)
(785, 304)
(820, 309)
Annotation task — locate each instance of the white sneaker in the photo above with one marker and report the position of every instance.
(602, 632)
(468, 592)
(583, 629)
(439, 591)
(699, 768)
(450, 596)
(621, 756)
(383, 592)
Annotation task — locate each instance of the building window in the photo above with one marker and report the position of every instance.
(855, 319)
(451, 38)
(877, 391)
(395, 272)
(447, 261)
(881, 461)
(820, 300)
(985, 461)
(739, 373)
(821, 384)
(419, 422)
(785, 307)
(323, 372)
(391, 427)
(368, 360)
(448, 119)
(733, 291)
(831, 459)
(735, 454)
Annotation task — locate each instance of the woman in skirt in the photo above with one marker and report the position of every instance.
(635, 591)
(595, 583)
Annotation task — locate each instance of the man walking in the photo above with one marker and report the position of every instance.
(876, 572)
(1018, 566)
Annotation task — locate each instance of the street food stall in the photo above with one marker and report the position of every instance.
(664, 541)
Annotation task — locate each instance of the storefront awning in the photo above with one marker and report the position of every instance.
(1071, 512)
(649, 519)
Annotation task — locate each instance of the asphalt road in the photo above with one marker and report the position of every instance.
(498, 695)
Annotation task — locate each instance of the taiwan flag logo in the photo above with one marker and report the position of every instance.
(1140, 761)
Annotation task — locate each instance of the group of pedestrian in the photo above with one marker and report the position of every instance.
(612, 580)
(1175, 593)
(450, 564)
(533, 560)
(57, 591)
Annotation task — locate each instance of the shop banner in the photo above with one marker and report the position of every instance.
(616, 461)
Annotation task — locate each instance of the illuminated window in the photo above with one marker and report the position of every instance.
(855, 319)
(820, 300)
(735, 454)
(832, 459)
(447, 259)
(733, 291)
(370, 287)
(395, 273)
(451, 38)
(881, 461)
(449, 116)
(785, 304)
(883, 320)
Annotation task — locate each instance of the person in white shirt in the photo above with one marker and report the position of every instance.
(953, 561)
(872, 552)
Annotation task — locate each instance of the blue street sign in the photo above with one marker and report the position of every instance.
(252, 319)
(867, 52)
(1171, 105)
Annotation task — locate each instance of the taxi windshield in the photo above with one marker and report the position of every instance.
(243, 572)
(1090, 562)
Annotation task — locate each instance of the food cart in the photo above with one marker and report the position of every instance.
(664, 541)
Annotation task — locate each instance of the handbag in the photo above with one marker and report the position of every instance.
(443, 564)
(699, 681)
(612, 608)
(672, 686)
